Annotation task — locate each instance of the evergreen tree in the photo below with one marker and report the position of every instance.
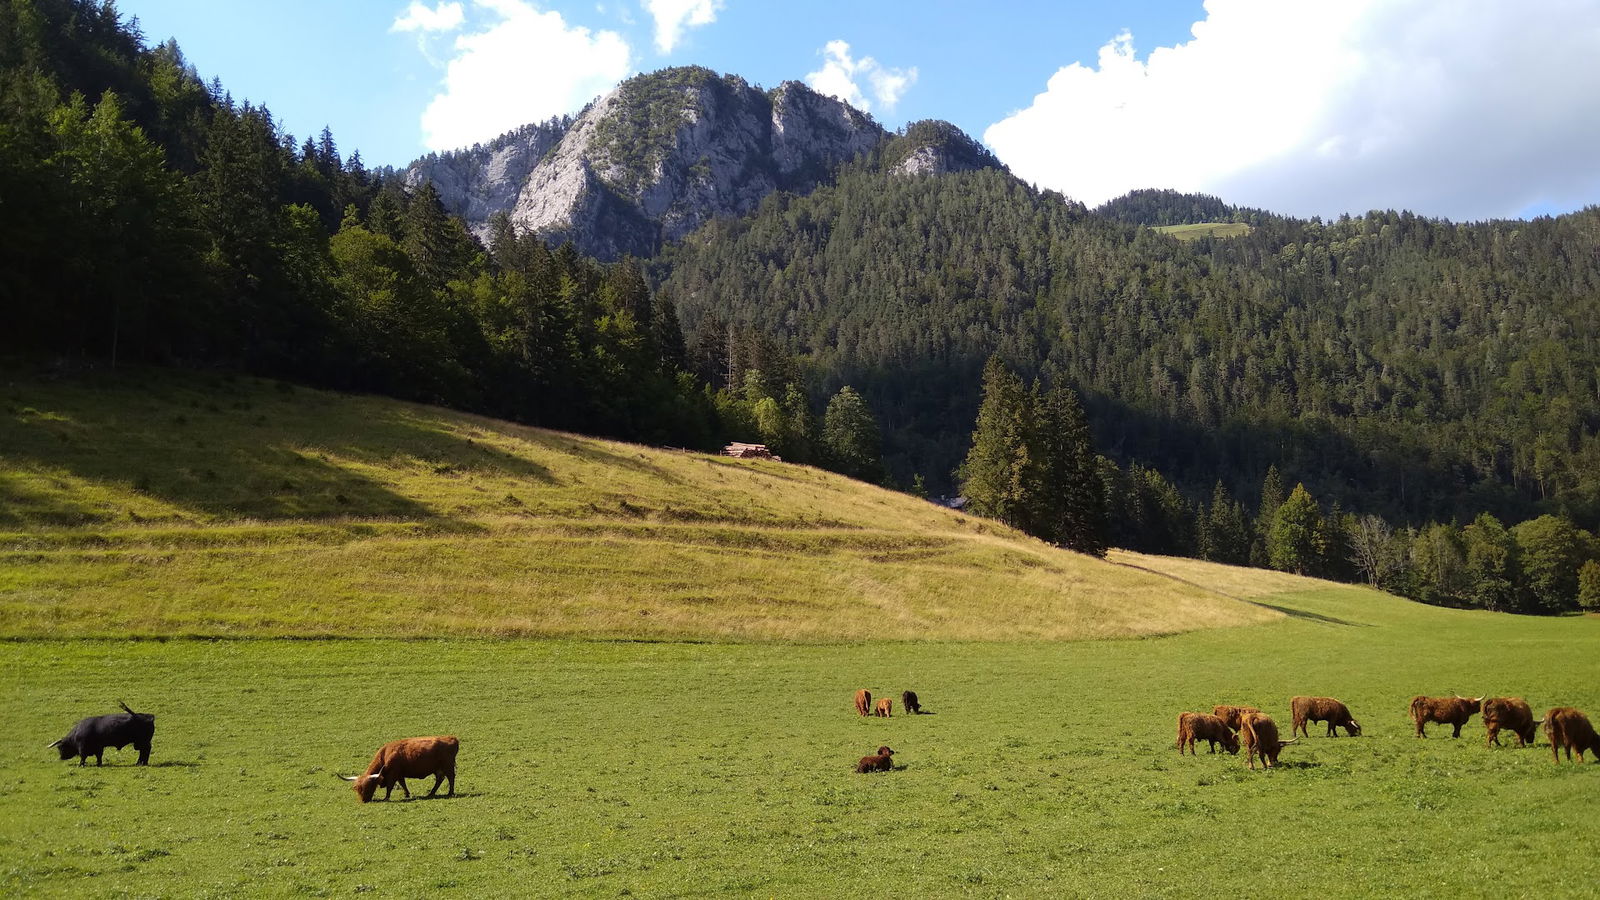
(1226, 533)
(1064, 502)
(1271, 499)
(994, 476)
(1295, 543)
(850, 437)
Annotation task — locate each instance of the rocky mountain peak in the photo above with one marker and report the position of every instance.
(666, 152)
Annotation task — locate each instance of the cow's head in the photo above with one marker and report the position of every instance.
(65, 747)
(1354, 728)
(1473, 703)
(364, 785)
(1230, 742)
(885, 751)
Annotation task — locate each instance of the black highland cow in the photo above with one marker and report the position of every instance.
(91, 736)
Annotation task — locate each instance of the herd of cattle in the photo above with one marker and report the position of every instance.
(1231, 726)
(1567, 728)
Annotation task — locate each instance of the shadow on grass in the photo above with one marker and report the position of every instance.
(175, 764)
(217, 446)
(1293, 613)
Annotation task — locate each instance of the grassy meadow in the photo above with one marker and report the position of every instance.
(1205, 229)
(160, 504)
(649, 656)
(665, 769)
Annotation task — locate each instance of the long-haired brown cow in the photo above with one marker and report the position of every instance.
(1322, 709)
(416, 757)
(884, 707)
(1193, 726)
(1514, 715)
(1569, 729)
(1232, 714)
(863, 702)
(882, 762)
(1454, 711)
(1260, 735)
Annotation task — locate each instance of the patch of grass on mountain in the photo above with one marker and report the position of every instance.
(154, 503)
(1205, 229)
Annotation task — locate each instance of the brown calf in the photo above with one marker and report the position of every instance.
(1512, 714)
(1260, 736)
(1570, 730)
(864, 702)
(409, 758)
(1453, 711)
(1232, 714)
(1194, 727)
(1322, 709)
(880, 763)
(884, 708)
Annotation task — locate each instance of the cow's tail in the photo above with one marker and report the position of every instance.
(126, 709)
(1416, 708)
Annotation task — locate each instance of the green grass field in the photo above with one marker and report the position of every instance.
(1205, 229)
(703, 744)
(674, 769)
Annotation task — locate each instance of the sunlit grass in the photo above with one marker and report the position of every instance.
(1205, 229)
(167, 504)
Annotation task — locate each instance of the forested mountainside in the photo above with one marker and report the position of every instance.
(1420, 368)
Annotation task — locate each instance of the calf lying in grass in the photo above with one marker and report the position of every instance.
(882, 762)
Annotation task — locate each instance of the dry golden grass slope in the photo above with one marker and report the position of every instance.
(160, 503)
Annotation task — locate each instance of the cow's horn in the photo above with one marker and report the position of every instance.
(1295, 741)
(344, 777)
(59, 740)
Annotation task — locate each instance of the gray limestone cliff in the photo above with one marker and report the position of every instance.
(664, 153)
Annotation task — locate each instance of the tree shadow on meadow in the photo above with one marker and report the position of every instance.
(72, 452)
(1293, 613)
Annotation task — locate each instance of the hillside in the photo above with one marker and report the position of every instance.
(159, 503)
(1400, 365)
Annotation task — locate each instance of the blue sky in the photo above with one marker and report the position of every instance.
(1461, 108)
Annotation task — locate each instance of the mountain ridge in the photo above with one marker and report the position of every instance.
(664, 153)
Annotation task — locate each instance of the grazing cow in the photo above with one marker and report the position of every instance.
(1444, 710)
(1512, 714)
(1322, 709)
(416, 757)
(1260, 736)
(884, 708)
(1567, 728)
(863, 702)
(880, 763)
(91, 736)
(1232, 714)
(1194, 727)
(909, 702)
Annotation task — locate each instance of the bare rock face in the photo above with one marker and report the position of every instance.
(665, 153)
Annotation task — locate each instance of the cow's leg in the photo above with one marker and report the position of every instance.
(405, 789)
(438, 779)
(100, 757)
(1457, 731)
(144, 754)
(452, 776)
(1331, 731)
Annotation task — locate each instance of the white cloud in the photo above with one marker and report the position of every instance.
(418, 17)
(522, 66)
(841, 76)
(673, 17)
(1460, 108)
